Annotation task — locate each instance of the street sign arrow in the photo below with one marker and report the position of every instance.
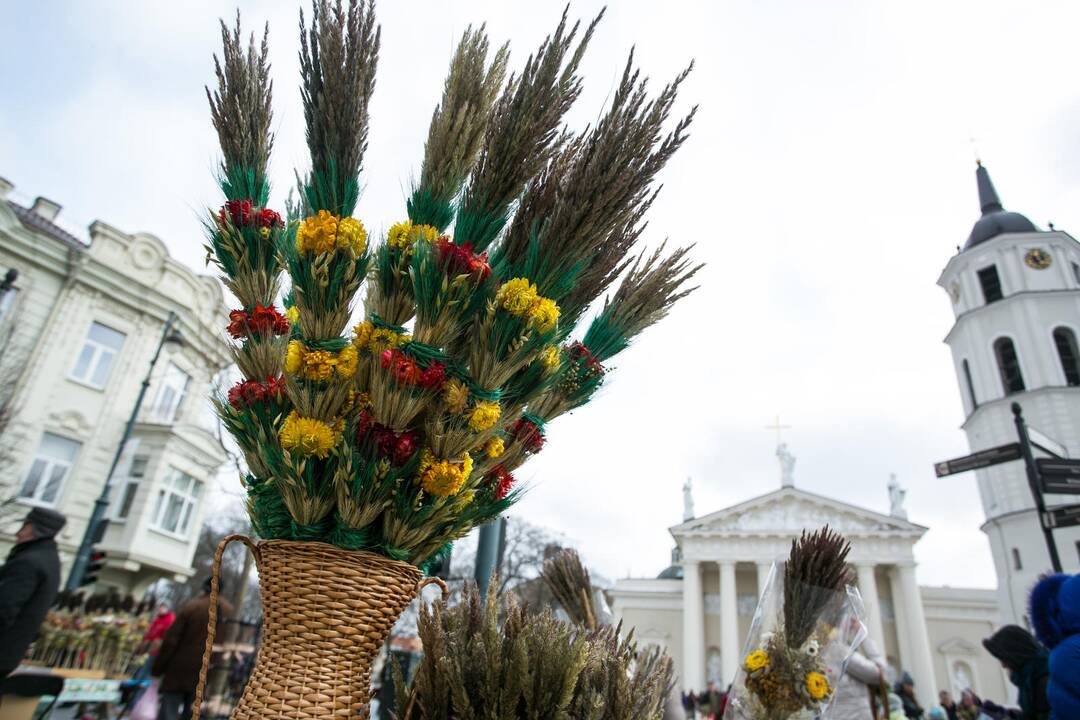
(1065, 516)
(981, 459)
(1059, 476)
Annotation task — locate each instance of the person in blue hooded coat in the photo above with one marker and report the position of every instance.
(1055, 616)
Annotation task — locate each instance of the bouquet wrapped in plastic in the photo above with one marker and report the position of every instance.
(808, 622)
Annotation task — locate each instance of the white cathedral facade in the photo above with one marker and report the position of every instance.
(1016, 297)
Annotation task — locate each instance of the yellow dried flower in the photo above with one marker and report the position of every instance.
(443, 477)
(544, 314)
(319, 365)
(817, 685)
(456, 396)
(756, 660)
(363, 401)
(264, 233)
(347, 360)
(384, 339)
(292, 315)
(294, 357)
(516, 296)
(318, 233)
(351, 235)
(362, 334)
(484, 415)
(398, 236)
(307, 436)
(494, 447)
(427, 233)
(551, 357)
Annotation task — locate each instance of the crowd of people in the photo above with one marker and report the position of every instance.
(707, 705)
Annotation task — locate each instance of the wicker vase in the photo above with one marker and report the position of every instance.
(326, 614)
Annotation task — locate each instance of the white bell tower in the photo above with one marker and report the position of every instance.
(1015, 292)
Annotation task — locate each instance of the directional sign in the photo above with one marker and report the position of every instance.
(981, 459)
(1066, 516)
(1060, 476)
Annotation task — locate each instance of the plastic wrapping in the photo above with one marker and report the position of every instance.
(776, 681)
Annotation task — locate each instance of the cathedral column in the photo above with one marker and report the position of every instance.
(900, 621)
(922, 662)
(763, 569)
(868, 590)
(730, 642)
(693, 666)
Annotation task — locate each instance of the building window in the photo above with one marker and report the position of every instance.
(1009, 366)
(990, 283)
(176, 504)
(1065, 341)
(50, 469)
(171, 392)
(970, 384)
(1017, 565)
(1078, 550)
(131, 488)
(1076, 272)
(7, 302)
(96, 358)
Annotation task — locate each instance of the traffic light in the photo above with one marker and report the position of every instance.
(93, 568)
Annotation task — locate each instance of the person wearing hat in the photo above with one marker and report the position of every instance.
(905, 690)
(1026, 661)
(1055, 615)
(29, 581)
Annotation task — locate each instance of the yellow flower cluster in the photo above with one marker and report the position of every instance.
(443, 477)
(817, 685)
(320, 364)
(756, 660)
(402, 235)
(309, 436)
(325, 232)
(376, 339)
(519, 297)
(292, 315)
(494, 447)
(552, 358)
(484, 415)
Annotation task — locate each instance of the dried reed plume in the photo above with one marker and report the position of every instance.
(814, 578)
(571, 585)
(338, 56)
(241, 112)
(522, 134)
(461, 118)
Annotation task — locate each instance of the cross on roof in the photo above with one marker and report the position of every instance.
(778, 428)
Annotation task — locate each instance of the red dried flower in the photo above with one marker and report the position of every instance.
(461, 259)
(267, 320)
(269, 218)
(239, 212)
(275, 388)
(434, 377)
(249, 392)
(583, 357)
(404, 446)
(501, 481)
(529, 434)
(237, 326)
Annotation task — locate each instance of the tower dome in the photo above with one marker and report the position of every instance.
(995, 219)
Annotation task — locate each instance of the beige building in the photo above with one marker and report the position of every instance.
(700, 608)
(79, 328)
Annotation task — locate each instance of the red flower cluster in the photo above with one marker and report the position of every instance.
(529, 434)
(247, 393)
(244, 212)
(398, 447)
(584, 359)
(407, 372)
(260, 321)
(501, 481)
(461, 259)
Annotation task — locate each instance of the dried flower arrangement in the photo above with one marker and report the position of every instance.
(796, 652)
(400, 435)
(530, 665)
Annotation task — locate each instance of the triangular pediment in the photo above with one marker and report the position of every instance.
(788, 510)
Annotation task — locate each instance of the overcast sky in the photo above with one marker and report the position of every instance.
(828, 178)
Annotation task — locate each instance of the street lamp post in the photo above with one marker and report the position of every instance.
(96, 526)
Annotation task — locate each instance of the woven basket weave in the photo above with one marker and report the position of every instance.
(326, 614)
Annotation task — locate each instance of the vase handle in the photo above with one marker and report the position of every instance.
(211, 627)
(432, 580)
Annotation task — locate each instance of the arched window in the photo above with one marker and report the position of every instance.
(1009, 366)
(970, 384)
(1065, 340)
